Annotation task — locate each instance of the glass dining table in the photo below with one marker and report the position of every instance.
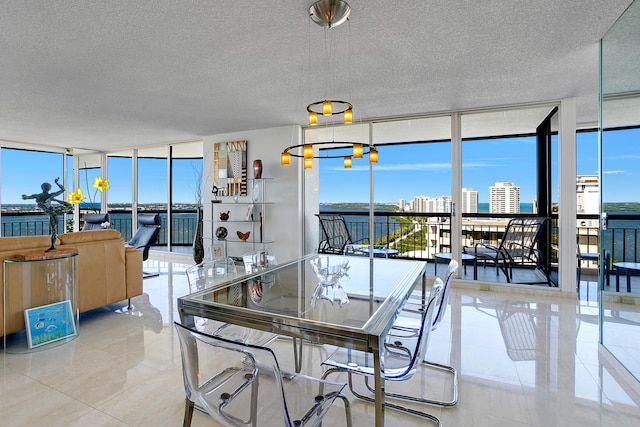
(324, 299)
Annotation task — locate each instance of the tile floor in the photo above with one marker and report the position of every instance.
(524, 360)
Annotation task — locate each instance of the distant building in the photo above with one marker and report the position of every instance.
(469, 201)
(402, 205)
(426, 204)
(588, 194)
(504, 197)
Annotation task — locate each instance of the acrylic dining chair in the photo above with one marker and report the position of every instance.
(240, 384)
(409, 323)
(402, 356)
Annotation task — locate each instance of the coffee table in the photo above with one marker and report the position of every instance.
(466, 259)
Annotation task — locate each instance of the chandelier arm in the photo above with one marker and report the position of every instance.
(338, 145)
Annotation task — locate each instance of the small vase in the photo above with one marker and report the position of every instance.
(257, 169)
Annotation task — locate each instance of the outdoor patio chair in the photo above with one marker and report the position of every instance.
(240, 384)
(517, 247)
(335, 234)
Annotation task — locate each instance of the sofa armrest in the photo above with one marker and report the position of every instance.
(133, 271)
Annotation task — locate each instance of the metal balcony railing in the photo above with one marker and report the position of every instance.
(183, 226)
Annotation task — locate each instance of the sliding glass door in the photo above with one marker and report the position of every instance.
(620, 199)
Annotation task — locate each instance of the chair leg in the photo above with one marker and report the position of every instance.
(390, 405)
(432, 402)
(188, 412)
(297, 355)
(347, 408)
(454, 373)
(394, 406)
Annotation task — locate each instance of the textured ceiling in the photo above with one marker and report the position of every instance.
(117, 74)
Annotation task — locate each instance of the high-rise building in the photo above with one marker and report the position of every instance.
(504, 197)
(469, 201)
(588, 194)
(428, 204)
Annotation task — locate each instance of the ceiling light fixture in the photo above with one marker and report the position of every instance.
(330, 14)
(305, 151)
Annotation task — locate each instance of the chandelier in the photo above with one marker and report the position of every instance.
(305, 151)
(330, 14)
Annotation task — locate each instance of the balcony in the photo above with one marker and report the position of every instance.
(422, 235)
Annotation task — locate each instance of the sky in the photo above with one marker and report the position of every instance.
(23, 172)
(404, 171)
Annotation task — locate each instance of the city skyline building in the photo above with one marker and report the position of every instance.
(504, 198)
(587, 194)
(427, 204)
(469, 200)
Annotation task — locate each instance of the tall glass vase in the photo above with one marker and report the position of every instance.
(198, 245)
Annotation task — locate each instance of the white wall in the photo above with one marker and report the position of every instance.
(283, 221)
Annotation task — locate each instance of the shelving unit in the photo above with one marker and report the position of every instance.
(246, 214)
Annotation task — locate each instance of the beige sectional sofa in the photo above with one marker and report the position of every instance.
(108, 270)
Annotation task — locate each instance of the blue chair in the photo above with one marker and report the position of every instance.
(147, 234)
(94, 221)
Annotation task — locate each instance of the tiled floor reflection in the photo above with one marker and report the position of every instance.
(524, 360)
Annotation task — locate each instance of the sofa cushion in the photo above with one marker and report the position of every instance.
(21, 243)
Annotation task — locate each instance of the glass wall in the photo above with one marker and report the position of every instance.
(417, 186)
(620, 200)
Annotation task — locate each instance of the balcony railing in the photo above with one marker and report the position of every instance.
(422, 235)
(183, 226)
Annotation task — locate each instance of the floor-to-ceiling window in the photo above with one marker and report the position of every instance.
(119, 167)
(416, 180)
(186, 192)
(153, 187)
(23, 173)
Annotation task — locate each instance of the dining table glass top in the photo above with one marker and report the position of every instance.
(355, 295)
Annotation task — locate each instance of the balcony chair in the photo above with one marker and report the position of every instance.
(517, 247)
(409, 323)
(147, 234)
(94, 221)
(402, 354)
(240, 384)
(335, 234)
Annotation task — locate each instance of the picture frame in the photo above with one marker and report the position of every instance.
(48, 323)
(230, 168)
(217, 251)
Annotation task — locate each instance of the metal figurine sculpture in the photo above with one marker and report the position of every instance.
(45, 201)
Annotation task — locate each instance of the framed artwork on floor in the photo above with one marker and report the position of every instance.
(49, 323)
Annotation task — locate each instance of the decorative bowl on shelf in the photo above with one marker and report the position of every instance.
(243, 236)
(221, 233)
(224, 215)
